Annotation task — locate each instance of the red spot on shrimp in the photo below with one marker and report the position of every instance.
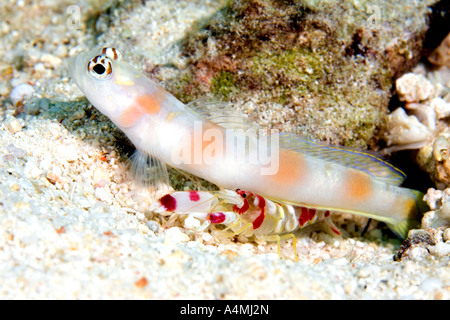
(336, 231)
(261, 202)
(306, 215)
(245, 205)
(194, 196)
(242, 209)
(216, 217)
(326, 214)
(169, 202)
(258, 221)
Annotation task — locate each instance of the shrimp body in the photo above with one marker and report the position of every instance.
(242, 212)
(298, 173)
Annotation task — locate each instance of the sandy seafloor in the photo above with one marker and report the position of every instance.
(72, 227)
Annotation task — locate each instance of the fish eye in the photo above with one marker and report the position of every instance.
(100, 67)
(112, 53)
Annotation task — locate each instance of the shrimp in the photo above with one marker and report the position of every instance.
(244, 212)
(215, 143)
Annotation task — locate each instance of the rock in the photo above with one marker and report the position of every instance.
(434, 159)
(414, 88)
(192, 223)
(20, 92)
(175, 235)
(441, 55)
(405, 132)
(441, 249)
(441, 107)
(32, 170)
(417, 238)
(32, 107)
(12, 124)
(425, 114)
(446, 235)
(444, 211)
(433, 198)
(50, 60)
(327, 68)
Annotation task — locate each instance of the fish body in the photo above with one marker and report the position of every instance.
(297, 171)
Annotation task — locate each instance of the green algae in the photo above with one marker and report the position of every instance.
(301, 64)
(224, 84)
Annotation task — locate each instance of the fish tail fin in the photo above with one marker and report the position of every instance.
(411, 216)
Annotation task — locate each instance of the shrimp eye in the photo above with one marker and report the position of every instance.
(112, 53)
(241, 193)
(100, 67)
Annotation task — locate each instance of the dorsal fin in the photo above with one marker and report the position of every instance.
(221, 113)
(348, 157)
